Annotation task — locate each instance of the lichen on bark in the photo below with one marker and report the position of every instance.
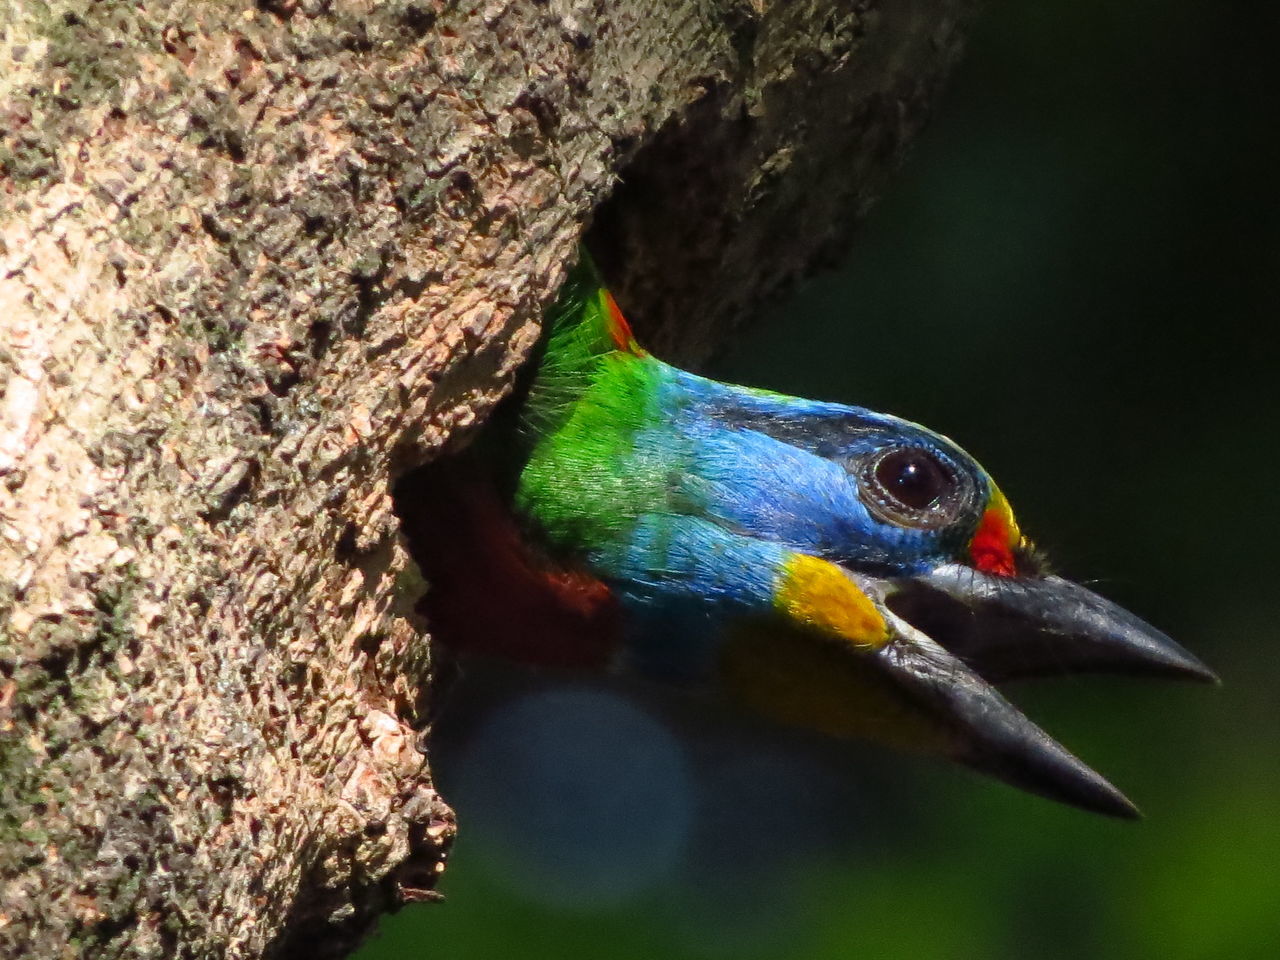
(257, 261)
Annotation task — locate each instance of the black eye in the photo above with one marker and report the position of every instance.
(912, 487)
(913, 478)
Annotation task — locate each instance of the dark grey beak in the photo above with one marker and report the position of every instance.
(1006, 628)
(988, 734)
(958, 631)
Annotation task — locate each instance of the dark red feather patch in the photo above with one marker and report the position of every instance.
(492, 593)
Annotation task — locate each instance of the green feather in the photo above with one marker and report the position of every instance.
(587, 478)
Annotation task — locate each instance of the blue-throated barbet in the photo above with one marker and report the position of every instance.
(827, 566)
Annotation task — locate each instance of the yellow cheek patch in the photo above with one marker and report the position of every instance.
(818, 594)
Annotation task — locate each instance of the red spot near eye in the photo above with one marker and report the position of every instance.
(619, 329)
(991, 547)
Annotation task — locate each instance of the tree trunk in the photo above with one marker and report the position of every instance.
(255, 262)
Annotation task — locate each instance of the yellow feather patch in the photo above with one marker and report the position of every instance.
(818, 594)
(1000, 504)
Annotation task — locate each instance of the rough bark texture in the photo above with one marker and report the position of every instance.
(254, 263)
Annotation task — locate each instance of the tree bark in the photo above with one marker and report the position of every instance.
(256, 262)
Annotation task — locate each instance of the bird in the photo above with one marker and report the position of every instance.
(822, 565)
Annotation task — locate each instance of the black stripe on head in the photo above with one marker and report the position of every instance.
(877, 453)
(825, 435)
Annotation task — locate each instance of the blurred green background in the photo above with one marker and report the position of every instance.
(1074, 276)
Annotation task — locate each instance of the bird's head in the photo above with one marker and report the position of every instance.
(854, 573)
(915, 593)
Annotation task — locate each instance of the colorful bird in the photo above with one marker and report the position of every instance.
(827, 566)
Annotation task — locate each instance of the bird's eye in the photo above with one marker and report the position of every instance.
(911, 487)
(913, 478)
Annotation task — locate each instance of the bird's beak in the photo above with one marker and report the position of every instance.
(969, 629)
(984, 731)
(1010, 627)
(952, 634)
